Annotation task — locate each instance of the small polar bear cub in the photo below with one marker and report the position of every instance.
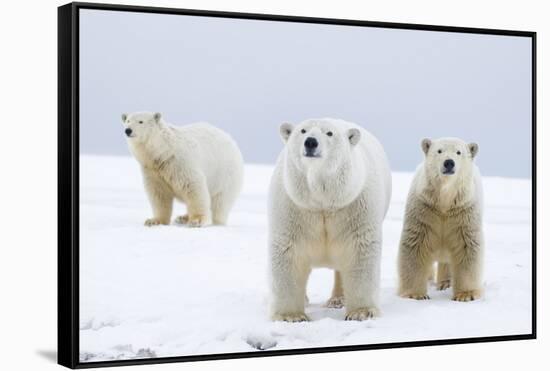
(197, 164)
(443, 223)
(328, 197)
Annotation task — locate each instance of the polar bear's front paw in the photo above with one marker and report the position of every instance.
(290, 317)
(362, 314)
(335, 302)
(154, 221)
(443, 285)
(182, 219)
(197, 221)
(467, 295)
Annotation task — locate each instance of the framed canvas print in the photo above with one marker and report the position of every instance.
(242, 185)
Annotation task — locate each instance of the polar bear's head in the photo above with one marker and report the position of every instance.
(319, 142)
(139, 126)
(322, 169)
(448, 158)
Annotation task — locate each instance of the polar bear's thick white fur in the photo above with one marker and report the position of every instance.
(197, 164)
(329, 194)
(443, 223)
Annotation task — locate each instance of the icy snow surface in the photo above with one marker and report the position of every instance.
(175, 291)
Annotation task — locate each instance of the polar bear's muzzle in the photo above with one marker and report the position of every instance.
(311, 146)
(448, 167)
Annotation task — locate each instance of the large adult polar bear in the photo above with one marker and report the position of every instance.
(197, 164)
(328, 197)
(443, 223)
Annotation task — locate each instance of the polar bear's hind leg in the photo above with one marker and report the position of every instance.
(221, 206)
(337, 297)
(197, 200)
(443, 276)
(220, 209)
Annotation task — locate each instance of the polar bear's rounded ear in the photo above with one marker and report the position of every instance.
(474, 148)
(426, 144)
(354, 135)
(157, 116)
(124, 117)
(285, 130)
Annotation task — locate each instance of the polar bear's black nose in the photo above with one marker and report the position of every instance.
(311, 143)
(128, 131)
(449, 164)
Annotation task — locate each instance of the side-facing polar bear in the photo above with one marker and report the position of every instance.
(329, 194)
(197, 164)
(443, 223)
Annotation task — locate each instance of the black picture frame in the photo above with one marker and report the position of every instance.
(68, 182)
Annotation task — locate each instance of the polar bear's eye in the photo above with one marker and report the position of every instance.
(458, 153)
(329, 133)
(303, 131)
(141, 122)
(439, 151)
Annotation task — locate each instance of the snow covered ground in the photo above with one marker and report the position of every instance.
(174, 291)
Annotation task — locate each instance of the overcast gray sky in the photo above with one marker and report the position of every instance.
(247, 77)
